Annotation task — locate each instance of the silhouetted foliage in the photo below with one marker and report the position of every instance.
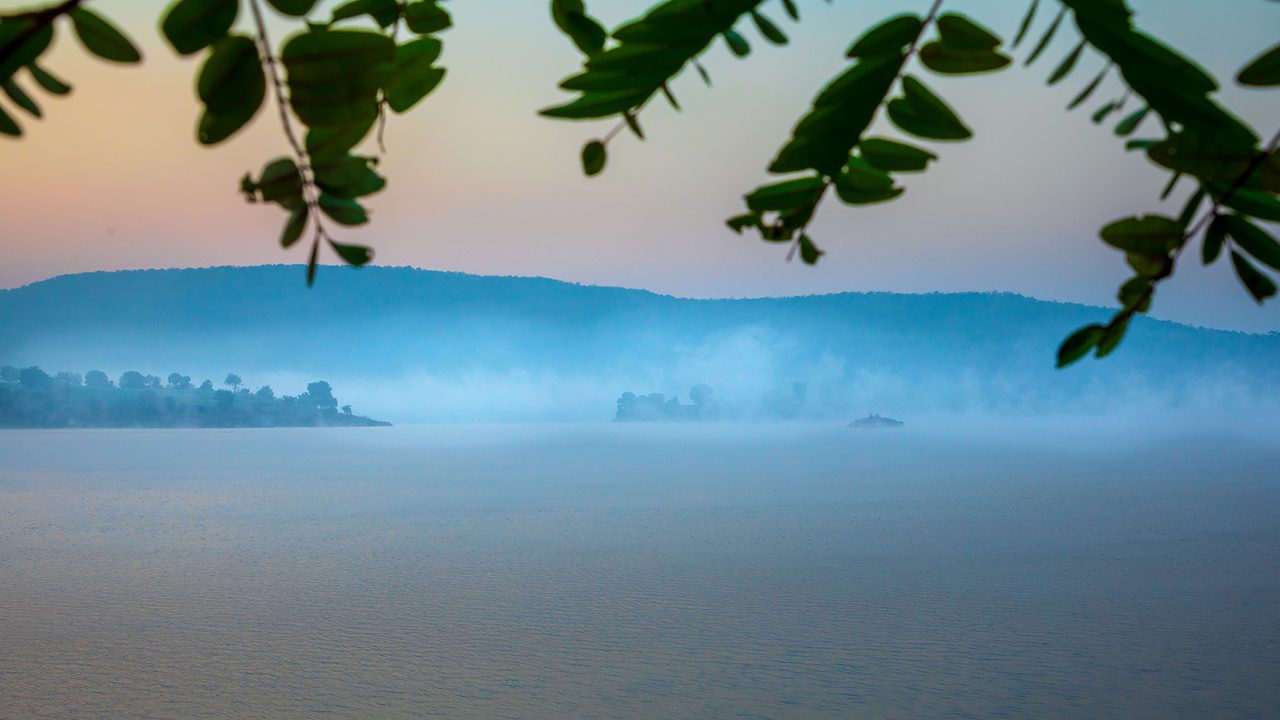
(36, 400)
(132, 380)
(97, 379)
(338, 76)
(656, 406)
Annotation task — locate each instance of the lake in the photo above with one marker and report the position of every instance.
(1017, 569)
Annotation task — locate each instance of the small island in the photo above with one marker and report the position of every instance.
(31, 398)
(872, 422)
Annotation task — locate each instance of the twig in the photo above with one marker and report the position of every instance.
(40, 19)
(305, 171)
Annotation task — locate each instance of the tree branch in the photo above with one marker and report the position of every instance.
(306, 173)
(39, 20)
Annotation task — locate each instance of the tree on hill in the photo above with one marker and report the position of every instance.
(320, 395)
(179, 381)
(233, 381)
(96, 379)
(33, 378)
(133, 380)
(1233, 172)
(69, 379)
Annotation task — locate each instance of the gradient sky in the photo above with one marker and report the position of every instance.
(113, 178)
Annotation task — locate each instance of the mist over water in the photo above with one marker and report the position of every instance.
(1028, 568)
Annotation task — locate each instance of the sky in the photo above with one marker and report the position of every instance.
(112, 178)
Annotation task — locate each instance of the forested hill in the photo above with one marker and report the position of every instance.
(424, 344)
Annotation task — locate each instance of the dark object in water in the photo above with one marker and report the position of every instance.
(875, 421)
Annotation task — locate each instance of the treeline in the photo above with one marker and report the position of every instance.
(32, 398)
(656, 406)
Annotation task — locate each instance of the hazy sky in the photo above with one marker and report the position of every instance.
(113, 178)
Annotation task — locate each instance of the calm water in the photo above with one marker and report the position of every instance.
(641, 572)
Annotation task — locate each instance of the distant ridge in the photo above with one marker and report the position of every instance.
(379, 323)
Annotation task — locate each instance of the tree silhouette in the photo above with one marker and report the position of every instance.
(96, 379)
(233, 381)
(133, 380)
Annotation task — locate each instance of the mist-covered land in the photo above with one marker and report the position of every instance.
(411, 345)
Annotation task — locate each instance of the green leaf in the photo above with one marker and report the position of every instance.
(594, 156)
(961, 33)
(337, 140)
(809, 252)
(1262, 71)
(102, 38)
(293, 8)
(894, 156)
(633, 124)
(232, 86)
(1026, 22)
(1259, 285)
(1255, 203)
(924, 114)
(739, 222)
(738, 45)
(768, 29)
(1150, 266)
(8, 126)
(349, 176)
(1153, 235)
(1111, 338)
(346, 57)
(1131, 122)
(1135, 294)
(17, 48)
(294, 227)
(1084, 94)
(280, 183)
(1253, 240)
(356, 255)
(342, 210)
(890, 37)
(1047, 37)
(193, 25)
(1190, 208)
(786, 195)
(1067, 65)
(48, 81)
(20, 98)
(947, 60)
(572, 19)
(334, 75)
(861, 184)
(1079, 344)
(383, 12)
(414, 78)
(1214, 238)
(1203, 156)
(825, 136)
(792, 11)
(1104, 111)
(598, 104)
(426, 17)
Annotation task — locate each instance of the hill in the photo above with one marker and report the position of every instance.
(410, 344)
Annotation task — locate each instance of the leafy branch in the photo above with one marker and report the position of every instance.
(1203, 141)
(648, 54)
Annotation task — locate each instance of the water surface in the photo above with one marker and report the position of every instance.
(560, 571)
